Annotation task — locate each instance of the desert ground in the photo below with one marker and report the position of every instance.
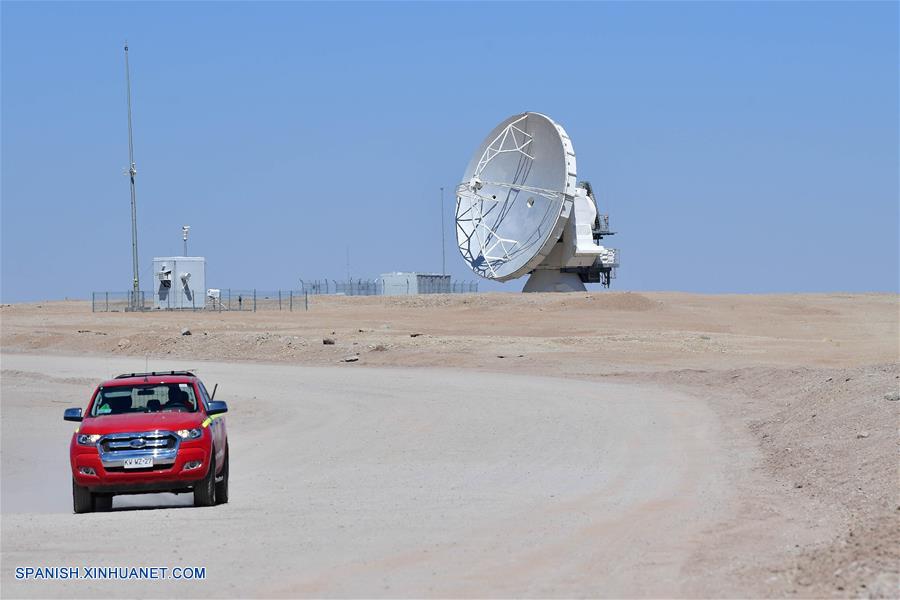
(491, 445)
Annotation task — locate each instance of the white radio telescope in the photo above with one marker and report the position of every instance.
(519, 210)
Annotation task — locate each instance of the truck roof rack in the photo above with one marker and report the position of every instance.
(155, 374)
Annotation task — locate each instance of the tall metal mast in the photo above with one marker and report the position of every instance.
(443, 245)
(135, 303)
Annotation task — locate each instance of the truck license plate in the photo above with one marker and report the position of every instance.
(138, 463)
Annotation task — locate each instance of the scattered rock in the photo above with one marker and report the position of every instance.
(328, 341)
(704, 337)
(185, 331)
(124, 343)
(379, 348)
(846, 380)
(501, 356)
(798, 485)
(862, 434)
(352, 358)
(830, 379)
(892, 397)
(415, 334)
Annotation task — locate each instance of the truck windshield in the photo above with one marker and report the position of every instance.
(125, 399)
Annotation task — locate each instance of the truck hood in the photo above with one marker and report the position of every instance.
(137, 422)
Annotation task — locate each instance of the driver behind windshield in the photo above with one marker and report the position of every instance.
(178, 400)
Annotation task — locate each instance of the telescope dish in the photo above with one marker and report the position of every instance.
(518, 198)
(511, 206)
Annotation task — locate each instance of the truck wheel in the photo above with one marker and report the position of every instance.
(205, 492)
(82, 499)
(103, 502)
(222, 486)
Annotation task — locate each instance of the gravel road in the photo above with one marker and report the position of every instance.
(388, 482)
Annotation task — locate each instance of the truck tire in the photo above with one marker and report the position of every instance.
(222, 486)
(82, 499)
(205, 491)
(103, 502)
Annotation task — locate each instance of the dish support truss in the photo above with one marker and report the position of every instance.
(480, 244)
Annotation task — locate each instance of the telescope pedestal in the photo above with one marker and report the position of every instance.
(548, 280)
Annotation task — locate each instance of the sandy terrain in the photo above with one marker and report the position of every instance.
(610, 444)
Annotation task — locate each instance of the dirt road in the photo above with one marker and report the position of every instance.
(536, 445)
(385, 482)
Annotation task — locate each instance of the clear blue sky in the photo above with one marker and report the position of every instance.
(739, 147)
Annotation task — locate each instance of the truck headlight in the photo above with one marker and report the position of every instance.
(88, 439)
(189, 434)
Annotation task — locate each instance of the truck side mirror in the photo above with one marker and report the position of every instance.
(72, 414)
(217, 407)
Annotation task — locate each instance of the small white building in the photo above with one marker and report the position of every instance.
(401, 284)
(180, 282)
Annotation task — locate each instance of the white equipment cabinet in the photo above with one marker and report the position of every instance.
(179, 282)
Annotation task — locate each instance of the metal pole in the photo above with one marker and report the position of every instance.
(443, 245)
(132, 171)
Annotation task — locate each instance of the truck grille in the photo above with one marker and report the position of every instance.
(115, 448)
(122, 442)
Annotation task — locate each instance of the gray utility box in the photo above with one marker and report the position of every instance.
(179, 282)
(400, 284)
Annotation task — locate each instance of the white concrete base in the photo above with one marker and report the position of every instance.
(548, 280)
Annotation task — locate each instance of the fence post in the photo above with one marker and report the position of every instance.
(291, 300)
(279, 299)
(306, 299)
(254, 299)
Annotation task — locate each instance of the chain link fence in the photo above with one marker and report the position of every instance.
(375, 287)
(251, 300)
(354, 287)
(120, 301)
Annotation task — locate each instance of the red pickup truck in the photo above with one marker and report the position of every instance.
(145, 433)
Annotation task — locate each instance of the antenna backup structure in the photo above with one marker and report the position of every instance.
(519, 210)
